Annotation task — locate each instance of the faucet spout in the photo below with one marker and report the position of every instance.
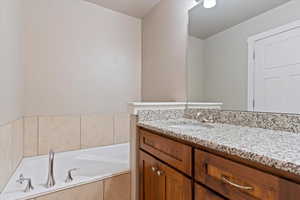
(51, 179)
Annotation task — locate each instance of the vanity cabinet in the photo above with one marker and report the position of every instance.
(173, 170)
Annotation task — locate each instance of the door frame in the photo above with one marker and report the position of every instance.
(251, 56)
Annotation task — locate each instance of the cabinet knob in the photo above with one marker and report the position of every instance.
(159, 173)
(154, 169)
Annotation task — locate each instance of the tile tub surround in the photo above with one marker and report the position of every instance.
(11, 149)
(92, 191)
(66, 133)
(272, 121)
(95, 164)
(277, 149)
(35, 135)
(115, 188)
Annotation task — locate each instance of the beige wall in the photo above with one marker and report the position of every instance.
(65, 57)
(80, 58)
(195, 69)
(226, 56)
(164, 51)
(11, 70)
(11, 87)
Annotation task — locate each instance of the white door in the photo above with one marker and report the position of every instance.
(277, 73)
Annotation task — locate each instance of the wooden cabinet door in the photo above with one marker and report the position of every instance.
(160, 182)
(151, 187)
(177, 186)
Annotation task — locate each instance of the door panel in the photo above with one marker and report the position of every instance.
(277, 73)
(178, 187)
(149, 183)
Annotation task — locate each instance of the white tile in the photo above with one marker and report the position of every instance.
(5, 154)
(17, 143)
(97, 130)
(59, 133)
(121, 128)
(117, 188)
(93, 191)
(30, 136)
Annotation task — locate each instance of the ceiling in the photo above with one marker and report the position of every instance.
(207, 22)
(135, 8)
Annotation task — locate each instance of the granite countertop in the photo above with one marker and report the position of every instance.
(277, 149)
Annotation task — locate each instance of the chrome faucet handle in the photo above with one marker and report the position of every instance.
(206, 120)
(203, 119)
(69, 175)
(29, 186)
(21, 179)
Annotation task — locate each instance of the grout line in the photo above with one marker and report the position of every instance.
(114, 125)
(38, 135)
(80, 126)
(23, 156)
(103, 189)
(11, 121)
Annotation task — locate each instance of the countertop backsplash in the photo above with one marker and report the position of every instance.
(153, 115)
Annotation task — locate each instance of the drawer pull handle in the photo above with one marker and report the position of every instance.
(159, 173)
(154, 169)
(224, 178)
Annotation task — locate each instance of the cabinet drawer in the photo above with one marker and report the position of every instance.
(201, 193)
(239, 182)
(174, 153)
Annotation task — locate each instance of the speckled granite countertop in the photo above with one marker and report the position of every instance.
(276, 149)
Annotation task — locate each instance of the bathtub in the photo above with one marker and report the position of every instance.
(92, 165)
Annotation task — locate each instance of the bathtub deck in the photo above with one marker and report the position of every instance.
(93, 165)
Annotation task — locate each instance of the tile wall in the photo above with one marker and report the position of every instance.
(66, 133)
(11, 149)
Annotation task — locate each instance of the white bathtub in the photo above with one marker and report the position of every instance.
(93, 165)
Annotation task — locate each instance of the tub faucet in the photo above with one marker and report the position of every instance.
(29, 186)
(51, 179)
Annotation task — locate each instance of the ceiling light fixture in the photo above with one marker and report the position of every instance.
(209, 3)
